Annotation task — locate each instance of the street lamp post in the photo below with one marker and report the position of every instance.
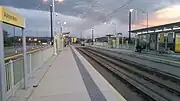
(61, 26)
(147, 22)
(51, 19)
(92, 36)
(114, 27)
(147, 19)
(130, 14)
(52, 8)
(53, 26)
(147, 27)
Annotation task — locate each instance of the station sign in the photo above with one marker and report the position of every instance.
(9, 17)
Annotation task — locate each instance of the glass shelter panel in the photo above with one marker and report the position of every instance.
(12, 47)
(12, 40)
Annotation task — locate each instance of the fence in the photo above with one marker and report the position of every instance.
(123, 46)
(14, 68)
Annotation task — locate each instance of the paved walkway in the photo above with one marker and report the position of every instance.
(62, 82)
(73, 79)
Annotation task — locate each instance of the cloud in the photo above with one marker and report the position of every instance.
(78, 7)
(166, 15)
(38, 24)
(39, 21)
(74, 13)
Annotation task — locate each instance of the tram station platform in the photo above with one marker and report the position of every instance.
(73, 78)
(166, 64)
(170, 59)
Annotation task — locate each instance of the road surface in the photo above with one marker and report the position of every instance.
(10, 51)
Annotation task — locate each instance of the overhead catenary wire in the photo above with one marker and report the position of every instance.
(122, 6)
(128, 2)
(119, 8)
(114, 11)
(109, 14)
(92, 6)
(96, 2)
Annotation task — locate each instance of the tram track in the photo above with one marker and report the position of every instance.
(140, 66)
(148, 84)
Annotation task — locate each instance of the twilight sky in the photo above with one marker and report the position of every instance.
(82, 15)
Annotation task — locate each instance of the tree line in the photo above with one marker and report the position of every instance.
(10, 41)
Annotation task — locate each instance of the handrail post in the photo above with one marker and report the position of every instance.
(2, 67)
(12, 76)
(25, 62)
(42, 58)
(30, 65)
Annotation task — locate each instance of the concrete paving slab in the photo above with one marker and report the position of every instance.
(62, 82)
(62, 97)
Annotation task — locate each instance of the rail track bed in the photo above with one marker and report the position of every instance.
(144, 84)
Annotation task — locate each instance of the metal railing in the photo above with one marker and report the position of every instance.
(122, 46)
(14, 68)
